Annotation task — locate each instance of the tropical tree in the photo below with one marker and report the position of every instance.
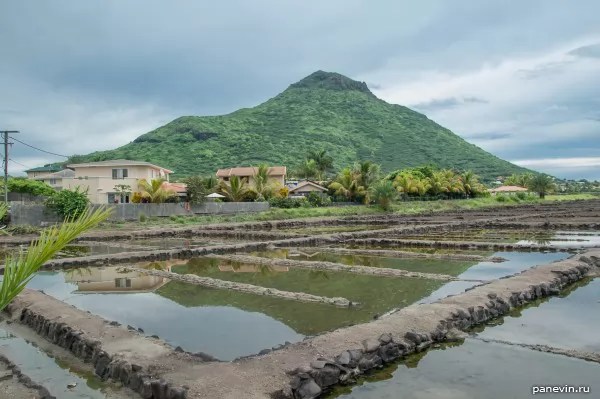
(236, 189)
(261, 184)
(383, 192)
(368, 173)
(308, 169)
(196, 190)
(470, 183)
(154, 191)
(19, 270)
(211, 183)
(323, 161)
(347, 184)
(521, 180)
(541, 184)
(438, 183)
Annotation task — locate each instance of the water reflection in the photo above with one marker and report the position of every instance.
(112, 279)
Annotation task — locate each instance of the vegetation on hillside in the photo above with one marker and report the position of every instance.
(323, 111)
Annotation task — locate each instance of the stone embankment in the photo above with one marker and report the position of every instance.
(242, 287)
(302, 370)
(405, 254)
(336, 267)
(16, 385)
(498, 246)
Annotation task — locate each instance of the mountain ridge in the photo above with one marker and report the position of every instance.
(325, 110)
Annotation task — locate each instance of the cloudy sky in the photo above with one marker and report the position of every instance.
(520, 79)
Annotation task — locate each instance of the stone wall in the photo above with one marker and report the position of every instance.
(38, 215)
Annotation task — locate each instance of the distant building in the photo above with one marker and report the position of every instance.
(305, 187)
(53, 179)
(42, 172)
(100, 178)
(276, 174)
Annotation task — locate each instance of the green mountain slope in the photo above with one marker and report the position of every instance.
(322, 111)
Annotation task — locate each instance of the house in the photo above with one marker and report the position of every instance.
(107, 181)
(276, 174)
(42, 171)
(179, 188)
(51, 175)
(507, 190)
(305, 187)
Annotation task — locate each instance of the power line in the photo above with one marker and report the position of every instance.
(39, 149)
(5, 133)
(19, 163)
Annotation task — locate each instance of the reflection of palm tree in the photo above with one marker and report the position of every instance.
(77, 271)
(155, 266)
(266, 270)
(316, 274)
(202, 265)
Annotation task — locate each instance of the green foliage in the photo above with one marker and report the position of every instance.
(28, 186)
(143, 218)
(502, 198)
(19, 270)
(69, 203)
(264, 187)
(437, 183)
(308, 169)
(323, 161)
(325, 112)
(318, 200)
(521, 195)
(154, 191)
(520, 180)
(236, 189)
(383, 193)
(541, 184)
(347, 185)
(287, 203)
(196, 189)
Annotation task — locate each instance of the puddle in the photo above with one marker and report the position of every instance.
(48, 371)
(570, 322)
(475, 370)
(223, 331)
(516, 262)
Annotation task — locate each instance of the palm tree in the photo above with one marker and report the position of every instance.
(236, 189)
(438, 184)
(211, 183)
(541, 184)
(469, 181)
(309, 169)
(368, 173)
(323, 161)
(154, 191)
(19, 270)
(261, 183)
(383, 193)
(347, 184)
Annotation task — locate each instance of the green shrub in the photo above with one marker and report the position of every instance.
(174, 218)
(69, 203)
(318, 200)
(501, 198)
(514, 198)
(287, 203)
(521, 195)
(143, 218)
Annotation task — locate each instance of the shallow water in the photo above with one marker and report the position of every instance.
(223, 331)
(572, 322)
(477, 370)
(47, 371)
(334, 229)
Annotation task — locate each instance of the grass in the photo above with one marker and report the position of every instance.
(405, 208)
(323, 111)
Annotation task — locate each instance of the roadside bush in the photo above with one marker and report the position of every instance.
(501, 198)
(143, 218)
(69, 203)
(318, 200)
(514, 198)
(283, 192)
(32, 187)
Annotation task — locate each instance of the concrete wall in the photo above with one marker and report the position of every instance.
(38, 215)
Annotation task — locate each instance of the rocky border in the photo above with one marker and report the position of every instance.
(310, 381)
(105, 366)
(24, 379)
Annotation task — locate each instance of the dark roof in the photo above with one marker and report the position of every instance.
(47, 168)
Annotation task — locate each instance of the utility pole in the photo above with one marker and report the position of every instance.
(6, 143)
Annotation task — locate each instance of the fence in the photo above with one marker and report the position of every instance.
(39, 215)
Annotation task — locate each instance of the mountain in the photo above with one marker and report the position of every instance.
(322, 111)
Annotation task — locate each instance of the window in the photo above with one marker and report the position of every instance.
(152, 173)
(52, 181)
(123, 283)
(119, 174)
(111, 198)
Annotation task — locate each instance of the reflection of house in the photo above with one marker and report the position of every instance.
(507, 190)
(305, 187)
(100, 178)
(251, 268)
(112, 279)
(276, 174)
